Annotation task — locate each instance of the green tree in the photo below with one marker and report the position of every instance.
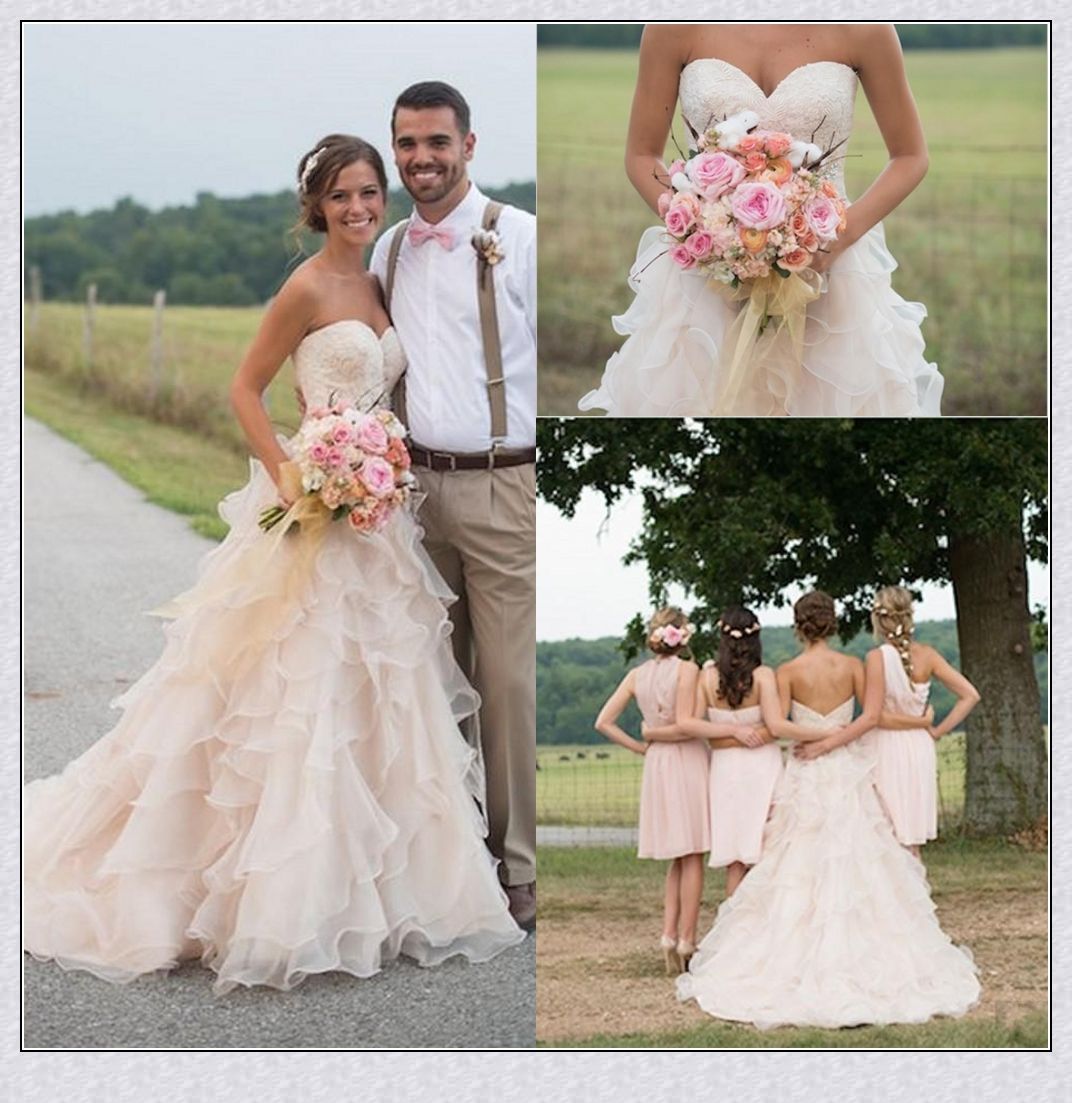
(738, 510)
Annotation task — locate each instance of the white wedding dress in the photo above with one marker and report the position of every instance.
(834, 926)
(863, 349)
(285, 801)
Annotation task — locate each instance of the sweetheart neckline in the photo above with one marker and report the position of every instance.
(755, 84)
(822, 715)
(349, 321)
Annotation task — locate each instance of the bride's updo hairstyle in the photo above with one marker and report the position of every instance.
(739, 653)
(891, 621)
(319, 169)
(669, 632)
(814, 617)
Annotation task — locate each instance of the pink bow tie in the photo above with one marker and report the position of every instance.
(418, 235)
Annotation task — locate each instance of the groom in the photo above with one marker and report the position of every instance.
(459, 281)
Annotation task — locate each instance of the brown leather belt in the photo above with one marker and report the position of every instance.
(469, 461)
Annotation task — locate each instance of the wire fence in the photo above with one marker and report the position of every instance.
(590, 795)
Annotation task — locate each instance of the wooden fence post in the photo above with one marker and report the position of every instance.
(87, 328)
(156, 356)
(35, 297)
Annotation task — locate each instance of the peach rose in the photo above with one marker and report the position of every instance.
(776, 143)
(755, 162)
(796, 260)
(750, 143)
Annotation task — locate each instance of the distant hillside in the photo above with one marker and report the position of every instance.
(914, 36)
(574, 677)
(223, 252)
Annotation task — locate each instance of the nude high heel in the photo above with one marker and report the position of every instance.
(670, 958)
(685, 951)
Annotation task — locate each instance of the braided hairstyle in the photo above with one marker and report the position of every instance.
(814, 617)
(739, 653)
(891, 621)
(670, 616)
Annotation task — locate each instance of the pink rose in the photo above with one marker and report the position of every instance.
(760, 205)
(372, 437)
(672, 635)
(318, 453)
(664, 203)
(715, 173)
(334, 457)
(823, 217)
(700, 244)
(378, 476)
(681, 256)
(341, 434)
(680, 218)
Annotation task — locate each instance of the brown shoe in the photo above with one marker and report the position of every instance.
(523, 904)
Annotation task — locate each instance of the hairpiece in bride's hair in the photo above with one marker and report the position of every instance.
(310, 166)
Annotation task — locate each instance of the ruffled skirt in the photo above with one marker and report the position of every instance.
(834, 926)
(863, 349)
(287, 791)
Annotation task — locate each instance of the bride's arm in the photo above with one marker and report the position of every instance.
(286, 321)
(880, 65)
(663, 52)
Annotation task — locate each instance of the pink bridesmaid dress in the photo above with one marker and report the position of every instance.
(673, 790)
(907, 770)
(741, 783)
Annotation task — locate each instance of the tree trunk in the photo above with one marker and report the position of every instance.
(1006, 787)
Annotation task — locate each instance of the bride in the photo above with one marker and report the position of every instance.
(834, 925)
(863, 353)
(287, 791)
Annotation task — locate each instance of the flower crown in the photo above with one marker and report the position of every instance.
(738, 633)
(672, 635)
(310, 166)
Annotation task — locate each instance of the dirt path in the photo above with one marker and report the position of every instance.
(600, 971)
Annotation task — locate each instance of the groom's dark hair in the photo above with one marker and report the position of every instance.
(433, 93)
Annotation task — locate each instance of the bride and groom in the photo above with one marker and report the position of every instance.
(288, 790)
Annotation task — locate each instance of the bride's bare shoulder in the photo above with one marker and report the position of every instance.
(668, 42)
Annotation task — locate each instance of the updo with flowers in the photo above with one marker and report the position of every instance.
(891, 621)
(669, 632)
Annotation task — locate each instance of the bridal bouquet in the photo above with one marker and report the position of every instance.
(350, 463)
(749, 209)
(747, 203)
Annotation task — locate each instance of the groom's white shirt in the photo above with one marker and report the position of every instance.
(435, 310)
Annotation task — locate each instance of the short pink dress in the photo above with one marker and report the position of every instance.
(673, 789)
(741, 785)
(906, 773)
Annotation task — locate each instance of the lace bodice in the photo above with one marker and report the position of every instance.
(348, 360)
(814, 99)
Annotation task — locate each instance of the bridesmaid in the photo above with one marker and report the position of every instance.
(746, 763)
(906, 774)
(674, 821)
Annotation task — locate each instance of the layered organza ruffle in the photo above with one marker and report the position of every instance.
(278, 800)
(834, 926)
(863, 355)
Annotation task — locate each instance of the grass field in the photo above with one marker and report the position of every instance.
(575, 787)
(971, 241)
(601, 980)
(180, 445)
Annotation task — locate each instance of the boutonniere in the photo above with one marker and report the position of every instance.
(488, 246)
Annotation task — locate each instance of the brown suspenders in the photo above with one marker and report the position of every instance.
(489, 327)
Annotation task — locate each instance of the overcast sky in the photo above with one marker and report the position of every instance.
(583, 590)
(160, 111)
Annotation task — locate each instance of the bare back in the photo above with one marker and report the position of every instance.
(821, 679)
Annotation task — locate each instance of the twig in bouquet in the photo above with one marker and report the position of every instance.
(818, 127)
(692, 130)
(826, 154)
(656, 177)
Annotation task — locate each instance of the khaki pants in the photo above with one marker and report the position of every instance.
(480, 531)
